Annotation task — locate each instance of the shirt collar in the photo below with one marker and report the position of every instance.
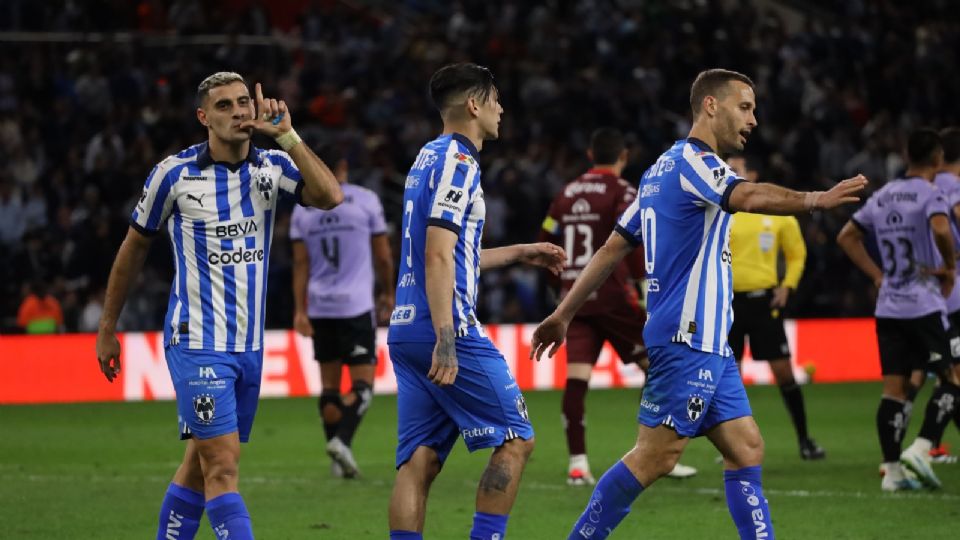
(700, 145)
(204, 159)
(462, 139)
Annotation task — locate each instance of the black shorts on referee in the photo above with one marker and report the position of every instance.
(754, 319)
(906, 345)
(351, 340)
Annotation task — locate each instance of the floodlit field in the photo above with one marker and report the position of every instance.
(99, 471)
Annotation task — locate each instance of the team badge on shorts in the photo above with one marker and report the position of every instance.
(204, 405)
(694, 407)
(264, 185)
(522, 408)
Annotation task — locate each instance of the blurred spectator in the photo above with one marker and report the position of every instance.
(81, 123)
(40, 312)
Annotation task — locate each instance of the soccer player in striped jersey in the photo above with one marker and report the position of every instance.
(217, 201)
(451, 380)
(682, 218)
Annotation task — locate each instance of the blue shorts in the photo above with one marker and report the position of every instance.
(484, 405)
(217, 392)
(691, 391)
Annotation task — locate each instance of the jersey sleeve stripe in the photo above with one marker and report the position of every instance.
(725, 200)
(627, 235)
(159, 204)
(687, 185)
(446, 224)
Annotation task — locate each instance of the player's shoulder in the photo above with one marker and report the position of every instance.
(183, 157)
(272, 156)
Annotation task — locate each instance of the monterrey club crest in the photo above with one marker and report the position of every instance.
(695, 406)
(264, 184)
(522, 408)
(205, 406)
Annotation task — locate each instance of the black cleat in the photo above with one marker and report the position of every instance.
(810, 451)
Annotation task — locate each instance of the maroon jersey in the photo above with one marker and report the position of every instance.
(580, 219)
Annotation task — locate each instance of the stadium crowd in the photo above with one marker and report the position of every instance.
(83, 117)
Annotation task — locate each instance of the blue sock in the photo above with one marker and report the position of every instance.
(405, 535)
(488, 526)
(180, 513)
(229, 517)
(746, 502)
(609, 504)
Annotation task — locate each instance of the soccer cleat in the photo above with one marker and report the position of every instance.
(341, 454)
(580, 477)
(919, 464)
(941, 454)
(682, 471)
(896, 478)
(904, 484)
(811, 451)
(336, 470)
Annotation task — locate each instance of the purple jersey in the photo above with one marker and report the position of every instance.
(949, 184)
(899, 216)
(338, 244)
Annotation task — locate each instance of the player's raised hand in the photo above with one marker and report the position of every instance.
(544, 254)
(108, 354)
(271, 117)
(548, 336)
(845, 192)
(444, 367)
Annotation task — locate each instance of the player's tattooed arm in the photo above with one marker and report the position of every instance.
(443, 369)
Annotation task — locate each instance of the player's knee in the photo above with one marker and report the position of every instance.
(330, 406)
(363, 395)
(220, 466)
(424, 464)
(749, 451)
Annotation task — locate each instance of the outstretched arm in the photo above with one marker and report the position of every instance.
(542, 254)
(126, 267)
(772, 199)
(551, 332)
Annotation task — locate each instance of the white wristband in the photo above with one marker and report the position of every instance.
(810, 200)
(288, 140)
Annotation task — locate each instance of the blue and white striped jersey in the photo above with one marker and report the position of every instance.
(682, 218)
(220, 220)
(442, 189)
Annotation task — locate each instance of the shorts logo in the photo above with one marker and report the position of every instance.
(207, 372)
(706, 375)
(522, 408)
(695, 406)
(204, 405)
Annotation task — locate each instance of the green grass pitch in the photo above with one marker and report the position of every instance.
(100, 470)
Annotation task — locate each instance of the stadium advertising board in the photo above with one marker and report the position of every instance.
(62, 368)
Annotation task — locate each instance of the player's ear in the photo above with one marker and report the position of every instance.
(202, 117)
(473, 107)
(709, 105)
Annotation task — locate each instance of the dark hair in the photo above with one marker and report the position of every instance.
(950, 139)
(606, 144)
(453, 80)
(330, 154)
(711, 83)
(922, 145)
